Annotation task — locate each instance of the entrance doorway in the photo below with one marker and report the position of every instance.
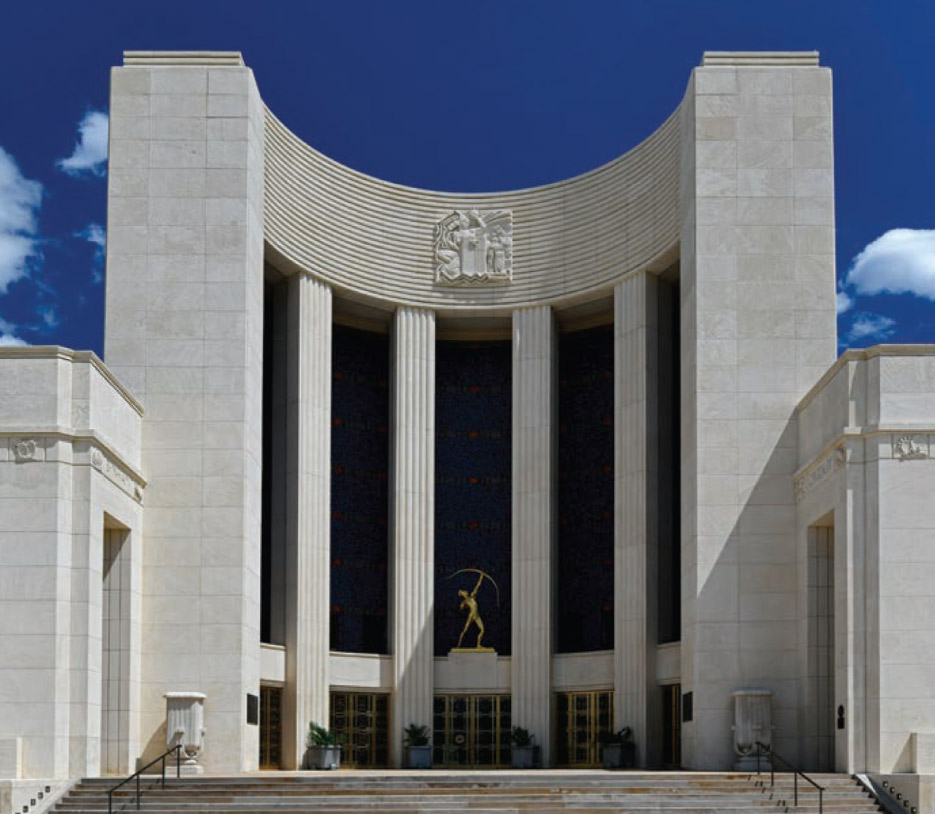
(361, 722)
(820, 726)
(471, 731)
(580, 721)
(270, 727)
(671, 726)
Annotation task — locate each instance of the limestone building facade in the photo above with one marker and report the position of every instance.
(609, 411)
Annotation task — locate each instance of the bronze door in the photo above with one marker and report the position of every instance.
(471, 731)
(270, 727)
(581, 718)
(361, 721)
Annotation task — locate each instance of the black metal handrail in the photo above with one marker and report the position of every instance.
(796, 774)
(178, 773)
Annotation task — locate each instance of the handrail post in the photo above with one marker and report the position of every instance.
(821, 794)
(759, 751)
(795, 783)
(178, 761)
(163, 771)
(137, 792)
(110, 802)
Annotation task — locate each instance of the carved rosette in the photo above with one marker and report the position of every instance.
(474, 247)
(910, 447)
(24, 450)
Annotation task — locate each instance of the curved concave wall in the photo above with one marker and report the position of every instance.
(374, 239)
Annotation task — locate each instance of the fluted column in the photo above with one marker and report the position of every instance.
(308, 512)
(413, 505)
(534, 527)
(635, 524)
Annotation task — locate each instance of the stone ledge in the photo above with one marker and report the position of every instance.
(227, 59)
(774, 58)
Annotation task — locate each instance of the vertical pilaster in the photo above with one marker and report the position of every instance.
(534, 538)
(184, 331)
(308, 512)
(757, 330)
(635, 510)
(413, 511)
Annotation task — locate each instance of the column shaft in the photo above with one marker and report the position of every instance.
(534, 527)
(635, 521)
(308, 517)
(413, 512)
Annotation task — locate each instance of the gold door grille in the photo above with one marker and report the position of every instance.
(361, 721)
(471, 730)
(581, 718)
(270, 727)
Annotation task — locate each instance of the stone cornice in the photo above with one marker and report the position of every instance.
(861, 355)
(69, 355)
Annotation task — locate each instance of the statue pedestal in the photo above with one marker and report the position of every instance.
(752, 723)
(470, 668)
(185, 724)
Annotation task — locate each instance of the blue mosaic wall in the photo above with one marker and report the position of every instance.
(473, 404)
(359, 490)
(586, 491)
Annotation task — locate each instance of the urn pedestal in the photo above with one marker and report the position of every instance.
(185, 719)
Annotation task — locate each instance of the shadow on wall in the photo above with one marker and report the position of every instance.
(745, 628)
(154, 747)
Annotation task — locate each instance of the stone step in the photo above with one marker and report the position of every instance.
(531, 792)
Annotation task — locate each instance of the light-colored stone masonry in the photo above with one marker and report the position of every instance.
(793, 494)
(184, 332)
(758, 328)
(69, 477)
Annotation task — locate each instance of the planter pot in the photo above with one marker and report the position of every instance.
(323, 757)
(525, 757)
(419, 757)
(619, 756)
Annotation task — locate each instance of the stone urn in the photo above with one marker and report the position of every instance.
(185, 725)
(752, 725)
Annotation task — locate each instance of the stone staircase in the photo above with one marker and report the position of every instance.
(476, 792)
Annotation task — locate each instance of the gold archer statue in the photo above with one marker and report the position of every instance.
(469, 603)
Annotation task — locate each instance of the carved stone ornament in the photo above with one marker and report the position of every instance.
(907, 448)
(25, 449)
(819, 473)
(474, 247)
(115, 474)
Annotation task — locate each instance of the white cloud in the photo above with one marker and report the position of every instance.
(8, 337)
(902, 261)
(843, 302)
(871, 326)
(90, 153)
(20, 200)
(95, 233)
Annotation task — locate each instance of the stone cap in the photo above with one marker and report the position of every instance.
(224, 59)
(808, 59)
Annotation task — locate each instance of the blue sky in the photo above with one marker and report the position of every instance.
(464, 96)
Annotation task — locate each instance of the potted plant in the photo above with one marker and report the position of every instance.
(323, 748)
(525, 754)
(619, 750)
(418, 748)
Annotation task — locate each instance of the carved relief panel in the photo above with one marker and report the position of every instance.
(474, 247)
